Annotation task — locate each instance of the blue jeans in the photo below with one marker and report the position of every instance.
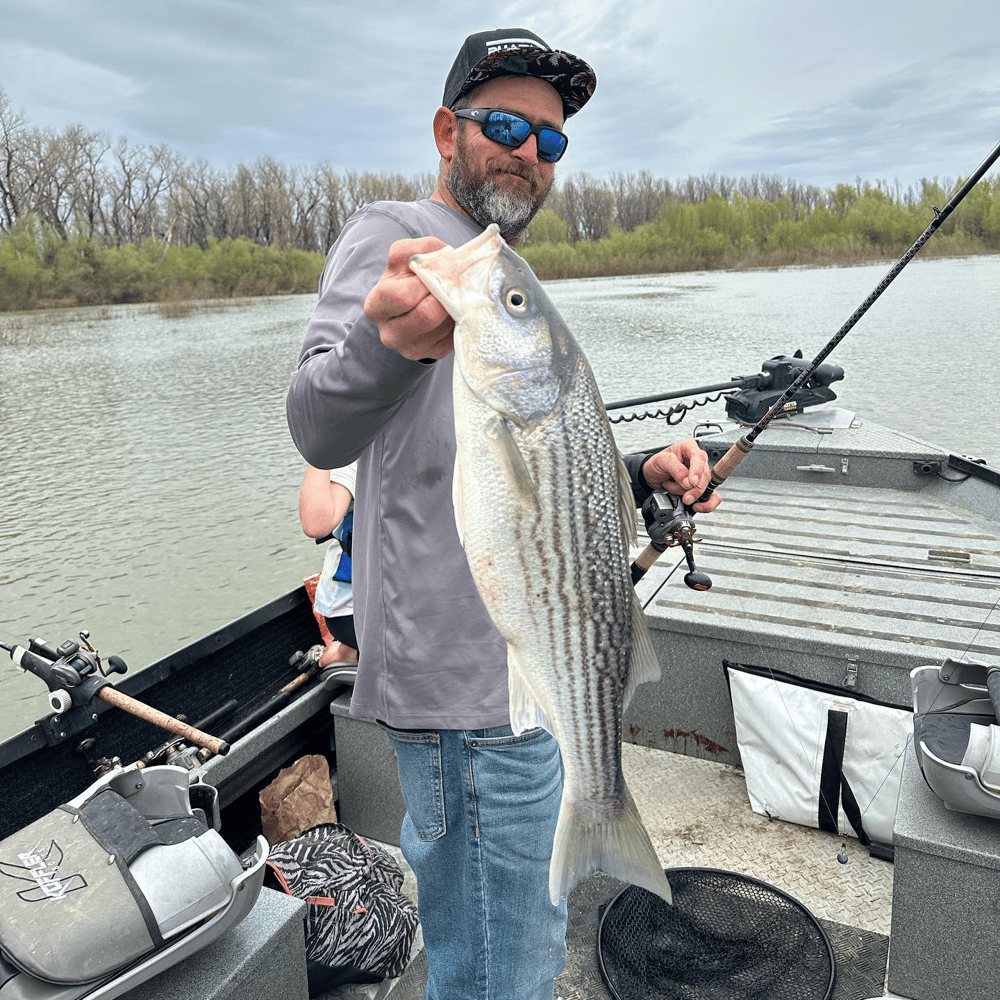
(481, 810)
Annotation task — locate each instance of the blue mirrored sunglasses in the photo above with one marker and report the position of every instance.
(512, 130)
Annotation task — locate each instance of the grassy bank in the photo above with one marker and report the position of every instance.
(40, 270)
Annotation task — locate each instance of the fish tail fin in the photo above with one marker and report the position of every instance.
(589, 839)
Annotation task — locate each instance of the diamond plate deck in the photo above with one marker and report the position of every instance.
(845, 553)
(698, 815)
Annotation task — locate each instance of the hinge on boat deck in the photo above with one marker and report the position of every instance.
(851, 674)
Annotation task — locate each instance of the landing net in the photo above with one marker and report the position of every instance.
(726, 937)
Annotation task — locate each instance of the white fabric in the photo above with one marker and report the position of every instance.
(781, 731)
(335, 598)
(347, 477)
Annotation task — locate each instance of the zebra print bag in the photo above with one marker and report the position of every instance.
(357, 918)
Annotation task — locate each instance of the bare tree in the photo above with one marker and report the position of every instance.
(14, 176)
(595, 207)
(140, 185)
(638, 198)
(59, 163)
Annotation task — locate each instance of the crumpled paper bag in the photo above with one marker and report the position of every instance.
(298, 798)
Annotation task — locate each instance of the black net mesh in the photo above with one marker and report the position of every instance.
(726, 937)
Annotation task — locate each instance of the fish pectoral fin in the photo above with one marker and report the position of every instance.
(525, 710)
(644, 666)
(511, 458)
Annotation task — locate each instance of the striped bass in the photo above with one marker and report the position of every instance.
(545, 512)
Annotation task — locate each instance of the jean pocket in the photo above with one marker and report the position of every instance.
(501, 738)
(421, 779)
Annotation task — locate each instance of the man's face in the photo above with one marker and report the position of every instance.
(493, 182)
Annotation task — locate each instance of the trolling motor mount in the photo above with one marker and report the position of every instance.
(750, 404)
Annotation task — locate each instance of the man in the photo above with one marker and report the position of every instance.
(374, 384)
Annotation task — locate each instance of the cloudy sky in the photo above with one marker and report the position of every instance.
(821, 93)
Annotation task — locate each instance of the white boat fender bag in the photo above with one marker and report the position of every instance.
(820, 755)
(110, 877)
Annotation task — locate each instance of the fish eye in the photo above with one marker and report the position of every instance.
(516, 301)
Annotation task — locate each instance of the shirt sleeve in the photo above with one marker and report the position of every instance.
(349, 385)
(346, 476)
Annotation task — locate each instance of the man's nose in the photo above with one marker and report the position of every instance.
(528, 150)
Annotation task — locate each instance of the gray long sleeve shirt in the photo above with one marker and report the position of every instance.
(430, 656)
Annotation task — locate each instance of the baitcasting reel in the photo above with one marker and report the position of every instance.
(670, 522)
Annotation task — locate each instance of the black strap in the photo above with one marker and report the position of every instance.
(833, 768)
(853, 811)
(833, 785)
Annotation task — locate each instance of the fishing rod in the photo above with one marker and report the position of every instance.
(744, 382)
(672, 523)
(75, 676)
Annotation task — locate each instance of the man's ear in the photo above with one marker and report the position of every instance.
(445, 132)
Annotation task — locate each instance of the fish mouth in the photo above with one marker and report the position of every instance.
(443, 271)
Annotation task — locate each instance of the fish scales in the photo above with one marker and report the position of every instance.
(555, 556)
(545, 512)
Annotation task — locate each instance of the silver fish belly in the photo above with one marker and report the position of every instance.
(546, 514)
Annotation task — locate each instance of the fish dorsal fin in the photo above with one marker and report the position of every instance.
(511, 458)
(626, 499)
(643, 663)
(525, 710)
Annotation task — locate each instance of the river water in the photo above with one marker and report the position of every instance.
(148, 486)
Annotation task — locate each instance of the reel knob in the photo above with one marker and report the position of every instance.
(116, 665)
(698, 581)
(61, 701)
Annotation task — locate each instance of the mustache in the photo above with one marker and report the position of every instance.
(521, 170)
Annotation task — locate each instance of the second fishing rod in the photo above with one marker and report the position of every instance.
(671, 523)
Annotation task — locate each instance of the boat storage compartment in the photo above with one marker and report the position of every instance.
(946, 883)
(369, 799)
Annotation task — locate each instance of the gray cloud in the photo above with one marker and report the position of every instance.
(730, 88)
(932, 119)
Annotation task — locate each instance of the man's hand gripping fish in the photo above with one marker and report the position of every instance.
(546, 514)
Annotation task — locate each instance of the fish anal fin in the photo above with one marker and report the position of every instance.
(589, 838)
(626, 499)
(644, 666)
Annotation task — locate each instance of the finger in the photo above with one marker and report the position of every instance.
(665, 470)
(423, 333)
(399, 290)
(708, 506)
(393, 296)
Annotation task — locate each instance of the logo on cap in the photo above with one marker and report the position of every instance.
(514, 43)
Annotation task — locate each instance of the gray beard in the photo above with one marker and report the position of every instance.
(486, 203)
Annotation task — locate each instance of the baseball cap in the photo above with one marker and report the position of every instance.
(519, 52)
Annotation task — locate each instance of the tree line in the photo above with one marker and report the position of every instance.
(849, 224)
(84, 217)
